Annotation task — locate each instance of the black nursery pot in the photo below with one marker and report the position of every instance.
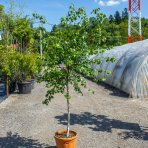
(32, 83)
(24, 87)
(12, 86)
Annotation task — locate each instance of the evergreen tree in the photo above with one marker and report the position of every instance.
(125, 14)
(1, 9)
(115, 28)
(111, 19)
(117, 17)
(144, 28)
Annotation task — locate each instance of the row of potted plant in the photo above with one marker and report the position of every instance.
(20, 69)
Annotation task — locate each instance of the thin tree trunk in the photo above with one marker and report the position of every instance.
(68, 111)
(7, 83)
(41, 50)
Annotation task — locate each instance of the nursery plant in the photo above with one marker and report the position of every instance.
(8, 64)
(29, 65)
(68, 52)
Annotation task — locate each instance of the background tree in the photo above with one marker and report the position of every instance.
(117, 17)
(145, 28)
(115, 28)
(24, 33)
(125, 14)
(15, 30)
(42, 20)
(111, 19)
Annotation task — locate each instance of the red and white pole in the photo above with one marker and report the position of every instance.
(134, 21)
(139, 8)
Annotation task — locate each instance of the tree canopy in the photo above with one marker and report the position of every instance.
(115, 28)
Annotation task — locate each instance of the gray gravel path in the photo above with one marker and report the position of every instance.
(107, 119)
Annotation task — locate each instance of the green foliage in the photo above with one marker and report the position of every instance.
(20, 67)
(29, 65)
(145, 28)
(23, 31)
(111, 19)
(125, 14)
(17, 30)
(68, 49)
(117, 17)
(4, 62)
(42, 19)
(23, 63)
(1, 9)
(111, 33)
(115, 28)
(8, 61)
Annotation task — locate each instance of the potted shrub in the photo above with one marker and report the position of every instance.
(67, 55)
(13, 67)
(36, 67)
(29, 66)
(8, 66)
(4, 66)
(23, 74)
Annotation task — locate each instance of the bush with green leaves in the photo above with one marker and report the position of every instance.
(67, 54)
(8, 61)
(20, 67)
(8, 65)
(29, 65)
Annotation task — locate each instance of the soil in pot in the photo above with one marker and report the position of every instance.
(62, 141)
(24, 87)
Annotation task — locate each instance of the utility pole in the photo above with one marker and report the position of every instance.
(134, 21)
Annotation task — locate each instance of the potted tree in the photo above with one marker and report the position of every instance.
(13, 67)
(36, 67)
(8, 66)
(29, 66)
(67, 56)
(24, 73)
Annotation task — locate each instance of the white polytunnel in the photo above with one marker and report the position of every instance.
(129, 72)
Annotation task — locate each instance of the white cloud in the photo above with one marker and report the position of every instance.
(109, 3)
(112, 3)
(124, 0)
(101, 3)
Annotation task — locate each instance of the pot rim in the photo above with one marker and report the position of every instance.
(66, 139)
(25, 82)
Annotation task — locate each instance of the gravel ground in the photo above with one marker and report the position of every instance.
(107, 119)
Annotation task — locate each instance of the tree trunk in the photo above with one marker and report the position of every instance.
(68, 111)
(41, 50)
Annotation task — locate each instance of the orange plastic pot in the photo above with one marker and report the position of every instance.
(65, 142)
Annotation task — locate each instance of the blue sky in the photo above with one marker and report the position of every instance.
(53, 10)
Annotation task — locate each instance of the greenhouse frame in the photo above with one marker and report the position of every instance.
(129, 72)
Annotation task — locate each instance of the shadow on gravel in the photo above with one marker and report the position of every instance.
(104, 124)
(114, 91)
(16, 141)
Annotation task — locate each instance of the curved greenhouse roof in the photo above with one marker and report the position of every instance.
(129, 71)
